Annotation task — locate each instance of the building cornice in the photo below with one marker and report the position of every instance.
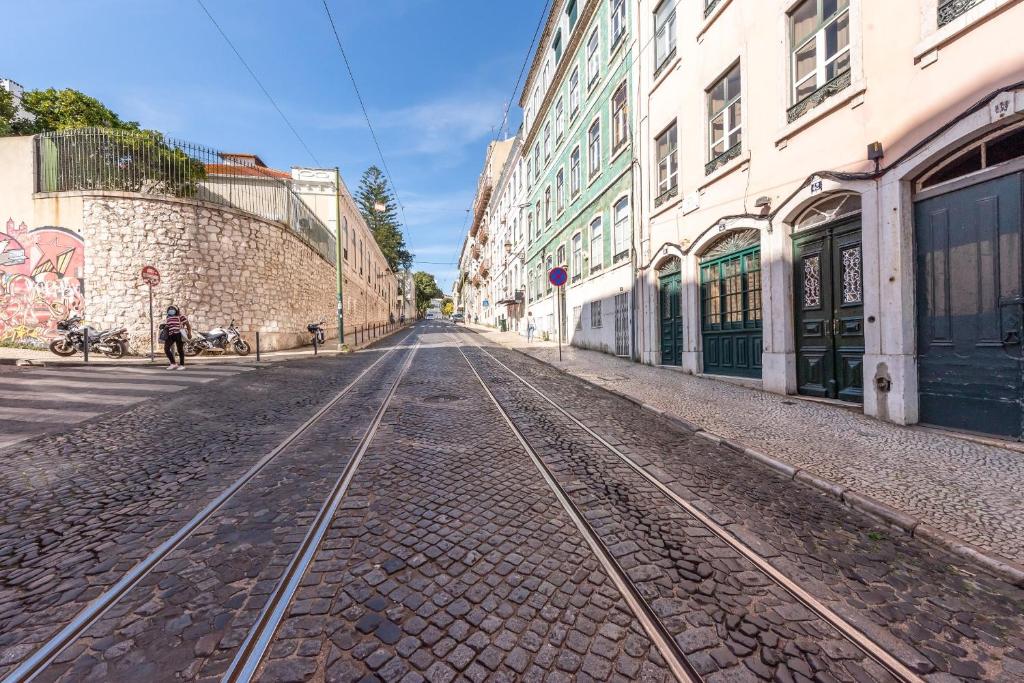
(553, 17)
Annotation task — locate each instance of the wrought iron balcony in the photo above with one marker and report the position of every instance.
(709, 7)
(723, 158)
(836, 85)
(666, 195)
(950, 10)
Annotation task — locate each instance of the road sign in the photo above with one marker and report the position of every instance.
(558, 276)
(151, 276)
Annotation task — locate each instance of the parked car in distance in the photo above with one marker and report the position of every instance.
(459, 318)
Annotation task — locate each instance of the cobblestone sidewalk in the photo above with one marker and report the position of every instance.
(970, 490)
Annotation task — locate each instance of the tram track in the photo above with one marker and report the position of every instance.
(683, 668)
(41, 657)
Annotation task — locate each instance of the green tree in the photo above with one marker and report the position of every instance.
(426, 289)
(7, 111)
(377, 204)
(64, 109)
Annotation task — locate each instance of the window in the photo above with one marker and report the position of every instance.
(820, 32)
(538, 219)
(560, 256)
(577, 257)
(529, 172)
(574, 91)
(547, 206)
(595, 314)
(529, 225)
(560, 190)
(546, 74)
(549, 265)
(596, 245)
(577, 316)
(536, 161)
(666, 148)
(664, 34)
(559, 119)
(556, 47)
(594, 148)
(344, 228)
(574, 172)
(619, 113)
(725, 117)
(618, 20)
(593, 60)
(547, 141)
(570, 11)
(620, 229)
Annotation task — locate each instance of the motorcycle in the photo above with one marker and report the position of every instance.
(111, 343)
(217, 340)
(317, 330)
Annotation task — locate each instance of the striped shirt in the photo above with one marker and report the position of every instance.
(175, 323)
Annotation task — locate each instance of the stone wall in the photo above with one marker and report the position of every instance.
(216, 263)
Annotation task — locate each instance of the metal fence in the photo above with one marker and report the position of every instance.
(150, 163)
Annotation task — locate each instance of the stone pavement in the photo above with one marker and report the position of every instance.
(970, 490)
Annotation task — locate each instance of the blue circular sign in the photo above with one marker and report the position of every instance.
(558, 276)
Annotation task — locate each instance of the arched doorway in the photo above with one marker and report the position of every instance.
(670, 311)
(829, 291)
(730, 302)
(970, 287)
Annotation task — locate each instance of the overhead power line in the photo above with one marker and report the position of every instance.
(366, 115)
(259, 83)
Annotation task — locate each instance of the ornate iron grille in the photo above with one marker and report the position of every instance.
(949, 10)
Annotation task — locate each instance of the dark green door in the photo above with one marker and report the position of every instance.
(731, 326)
(829, 288)
(670, 288)
(969, 308)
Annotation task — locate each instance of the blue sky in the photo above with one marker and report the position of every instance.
(435, 75)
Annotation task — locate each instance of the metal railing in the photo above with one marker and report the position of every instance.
(147, 162)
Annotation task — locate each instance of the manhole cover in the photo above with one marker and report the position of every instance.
(442, 398)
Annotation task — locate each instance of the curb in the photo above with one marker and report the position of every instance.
(907, 523)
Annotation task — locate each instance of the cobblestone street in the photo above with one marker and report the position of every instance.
(438, 507)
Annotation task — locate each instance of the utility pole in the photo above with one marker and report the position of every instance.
(340, 258)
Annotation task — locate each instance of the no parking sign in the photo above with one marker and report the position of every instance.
(558, 276)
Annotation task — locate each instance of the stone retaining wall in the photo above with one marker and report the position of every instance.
(216, 264)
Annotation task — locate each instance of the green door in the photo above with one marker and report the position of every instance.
(829, 290)
(970, 307)
(731, 323)
(670, 288)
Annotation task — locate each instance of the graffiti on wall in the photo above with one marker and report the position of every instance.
(41, 281)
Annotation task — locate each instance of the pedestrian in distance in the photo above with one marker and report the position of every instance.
(530, 327)
(173, 326)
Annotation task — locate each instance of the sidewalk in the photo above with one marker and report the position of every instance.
(953, 486)
(43, 358)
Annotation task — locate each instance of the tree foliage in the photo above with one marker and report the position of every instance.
(7, 111)
(448, 307)
(54, 109)
(377, 204)
(426, 289)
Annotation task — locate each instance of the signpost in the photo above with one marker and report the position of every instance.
(151, 276)
(558, 276)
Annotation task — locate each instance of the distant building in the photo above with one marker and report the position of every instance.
(16, 90)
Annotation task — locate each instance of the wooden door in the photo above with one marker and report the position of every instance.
(829, 292)
(670, 286)
(970, 305)
(731, 319)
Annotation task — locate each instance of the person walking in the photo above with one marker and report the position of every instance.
(530, 327)
(173, 326)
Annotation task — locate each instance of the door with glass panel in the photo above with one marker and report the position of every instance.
(830, 310)
(731, 319)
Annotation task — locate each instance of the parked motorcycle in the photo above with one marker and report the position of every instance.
(217, 340)
(317, 330)
(111, 343)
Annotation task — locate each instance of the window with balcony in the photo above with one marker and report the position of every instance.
(664, 34)
(596, 245)
(620, 121)
(594, 148)
(593, 58)
(725, 120)
(709, 7)
(577, 257)
(666, 151)
(559, 119)
(574, 91)
(618, 21)
(820, 35)
(574, 172)
(560, 190)
(620, 229)
(951, 10)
